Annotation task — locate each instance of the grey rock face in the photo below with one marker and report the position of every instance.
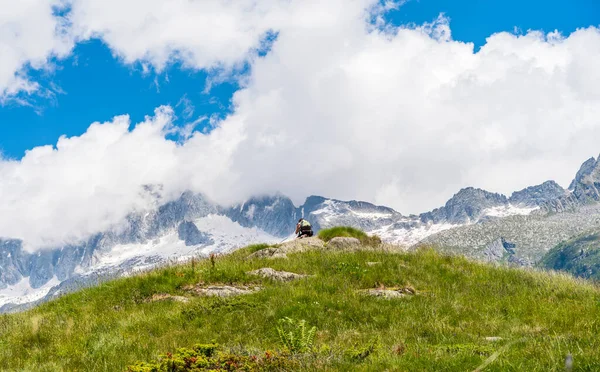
(188, 207)
(586, 168)
(42, 269)
(189, 233)
(466, 206)
(275, 215)
(586, 184)
(324, 213)
(584, 190)
(498, 250)
(538, 195)
(12, 262)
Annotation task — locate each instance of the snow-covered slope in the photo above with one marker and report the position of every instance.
(123, 259)
(22, 292)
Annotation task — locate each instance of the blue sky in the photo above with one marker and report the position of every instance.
(91, 85)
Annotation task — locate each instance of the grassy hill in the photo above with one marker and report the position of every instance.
(453, 315)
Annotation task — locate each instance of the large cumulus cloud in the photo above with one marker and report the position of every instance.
(30, 35)
(342, 105)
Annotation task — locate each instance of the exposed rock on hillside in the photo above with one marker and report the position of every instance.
(389, 292)
(344, 244)
(301, 245)
(586, 184)
(282, 276)
(221, 290)
(188, 232)
(268, 253)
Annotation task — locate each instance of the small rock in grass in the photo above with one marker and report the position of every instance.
(222, 290)
(493, 339)
(373, 263)
(390, 292)
(168, 297)
(282, 276)
(268, 253)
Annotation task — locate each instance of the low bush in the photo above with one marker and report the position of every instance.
(349, 232)
(207, 358)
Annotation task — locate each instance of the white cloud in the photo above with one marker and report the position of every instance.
(407, 118)
(204, 34)
(339, 107)
(210, 34)
(29, 35)
(88, 184)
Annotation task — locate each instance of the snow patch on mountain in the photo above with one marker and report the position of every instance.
(22, 292)
(168, 246)
(411, 236)
(508, 210)
(229, 235)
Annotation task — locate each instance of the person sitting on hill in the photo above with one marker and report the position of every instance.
(303, 229)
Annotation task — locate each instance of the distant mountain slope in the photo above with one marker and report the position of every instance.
(537, 196)
(579, 256)
(466, 206)
(560, 215)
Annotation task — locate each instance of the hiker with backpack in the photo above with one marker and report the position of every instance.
(303, 229)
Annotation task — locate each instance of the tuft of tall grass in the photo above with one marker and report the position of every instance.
(349, 232)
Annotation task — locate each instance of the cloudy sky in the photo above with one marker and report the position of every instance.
(400, 103)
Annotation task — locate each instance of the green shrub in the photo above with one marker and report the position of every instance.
(295, 336)
(200, 357)
(205, 358)
(349, 232)
(361, 352)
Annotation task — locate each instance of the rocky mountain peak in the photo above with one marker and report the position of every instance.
(275, 215)
(465, 206)
(585, 169)
(537, 195)
(586, 185)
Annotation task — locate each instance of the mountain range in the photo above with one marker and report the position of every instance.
(517, 230)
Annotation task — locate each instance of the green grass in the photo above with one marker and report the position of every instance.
(349, 232)
(256, 247)
(540, 317)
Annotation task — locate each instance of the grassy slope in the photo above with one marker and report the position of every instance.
(443, 329)
(579, 256)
